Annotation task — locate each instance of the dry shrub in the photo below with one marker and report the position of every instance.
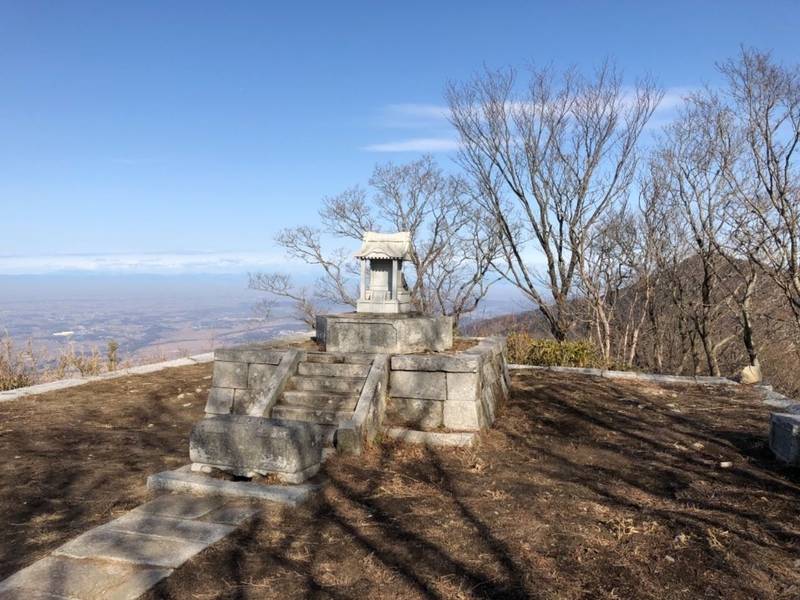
(18, 368)
(85, 363)
(525, 349)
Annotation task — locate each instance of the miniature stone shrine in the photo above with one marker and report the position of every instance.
(383, 287)
(385, 319)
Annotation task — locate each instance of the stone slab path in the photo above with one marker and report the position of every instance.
(122, 559)
(185, 480)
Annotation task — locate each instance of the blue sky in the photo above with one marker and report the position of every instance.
(182, 135)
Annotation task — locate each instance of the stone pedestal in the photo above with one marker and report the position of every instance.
(385, 333)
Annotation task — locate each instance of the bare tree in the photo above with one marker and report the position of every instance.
(605, 272)
(453, 246)
(766, 98)
(695, 154)
(548, 162)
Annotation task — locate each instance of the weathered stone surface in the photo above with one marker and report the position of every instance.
(249, 354)
(246, 445)
(264, 400)
(462, 386)
(232, 515)
(64, 577)
(170, 527)
(244, 400)
(458, 363)
(461, 415)
(342, 385)
(431, 438)
(784, 437)
(220, 401)
(230, 374)
(179, 506)
(367, 418)
(134, 548)
(260, 376)
(386, 334)
(415, 413)
(184, 480)
(416, 384)
(332, 369)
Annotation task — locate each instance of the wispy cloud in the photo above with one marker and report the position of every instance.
(149, 263)
(426, 144)
(423, 111)
(436, 134)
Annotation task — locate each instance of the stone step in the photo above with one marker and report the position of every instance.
(330, 357)
(319, 400)
(333, 369)
(310, 415)
(345, 385)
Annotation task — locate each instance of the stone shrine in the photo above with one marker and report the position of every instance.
(279, 410)
(383, 287)
(385, 319)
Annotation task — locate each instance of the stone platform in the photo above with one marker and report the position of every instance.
(385, 333)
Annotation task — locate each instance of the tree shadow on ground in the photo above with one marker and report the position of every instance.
(583, 489)
(78, 458)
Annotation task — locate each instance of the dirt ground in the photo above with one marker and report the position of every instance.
(586, 488)
(76, 458)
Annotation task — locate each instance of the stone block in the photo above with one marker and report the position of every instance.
(462, 415)
(784, 437)
(431, 438)
(179, 506)
(184, 480)
(426, 362)
(64, 577)
(136, 548)
(417, 384)
(386, 334)
(462, 386)
(415, 413)
(243, 401)
(259, 377)
(230, 374)
(245, 445)
(220, 401)
(170, 527)
(249, 354)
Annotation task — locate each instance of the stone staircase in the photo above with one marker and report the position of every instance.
(324, 390)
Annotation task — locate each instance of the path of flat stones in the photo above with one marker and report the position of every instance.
(124, 558)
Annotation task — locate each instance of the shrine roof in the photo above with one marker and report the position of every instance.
(385, 245)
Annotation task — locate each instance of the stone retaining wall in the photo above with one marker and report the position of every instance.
(457, 391)
(239, 374)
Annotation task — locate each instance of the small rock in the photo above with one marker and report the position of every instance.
(187, 405)
(750, 375)
(198, 390)
(180, 396)
(726, 464)
(149, 425)
(669, 559)
(698, 446)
